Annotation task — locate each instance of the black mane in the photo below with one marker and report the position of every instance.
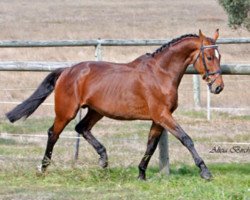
(172, 42)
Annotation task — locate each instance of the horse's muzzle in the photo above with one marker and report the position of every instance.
(215, 89)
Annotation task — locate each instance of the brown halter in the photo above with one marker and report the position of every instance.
(207, 72)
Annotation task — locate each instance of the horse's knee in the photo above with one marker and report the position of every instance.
(101, 150)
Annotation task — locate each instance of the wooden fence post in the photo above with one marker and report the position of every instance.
(164, 153)
(98, 51)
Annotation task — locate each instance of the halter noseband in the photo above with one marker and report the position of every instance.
(207, 72)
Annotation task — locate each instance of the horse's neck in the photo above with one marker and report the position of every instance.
(176, 59)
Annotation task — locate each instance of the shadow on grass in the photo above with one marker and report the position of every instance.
(240, 168)
(126, 174)
(222, 168)
(217, 168)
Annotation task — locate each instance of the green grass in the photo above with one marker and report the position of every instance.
(31, 125)
(9, 142)
(231, 181)
(243, 117)
(192, 114)
(215, 115)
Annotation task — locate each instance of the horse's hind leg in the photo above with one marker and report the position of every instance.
(84, 127)
(53, 135)
(64, 114)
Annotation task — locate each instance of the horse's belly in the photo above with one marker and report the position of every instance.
(121, 109)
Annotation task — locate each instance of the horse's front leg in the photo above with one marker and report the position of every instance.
(171, 125)
(153, 139)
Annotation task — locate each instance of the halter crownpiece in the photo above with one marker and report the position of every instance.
(210, 46)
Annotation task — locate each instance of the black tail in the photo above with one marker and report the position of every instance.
(26, 108)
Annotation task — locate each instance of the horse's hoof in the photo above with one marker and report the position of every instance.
(205, 174)
(103, 163)
(141, 178)
(40, 171)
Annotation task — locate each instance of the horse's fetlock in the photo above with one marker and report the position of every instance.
(101, 150)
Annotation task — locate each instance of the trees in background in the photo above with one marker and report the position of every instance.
(238, 12)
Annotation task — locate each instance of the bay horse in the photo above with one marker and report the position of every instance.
(144, 89)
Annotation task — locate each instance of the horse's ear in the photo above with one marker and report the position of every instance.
(216, 34)
(201, 36)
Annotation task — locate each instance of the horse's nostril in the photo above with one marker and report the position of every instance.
(218, 89)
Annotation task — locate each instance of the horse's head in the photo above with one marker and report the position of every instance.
(207, 62)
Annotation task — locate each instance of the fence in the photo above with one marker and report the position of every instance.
(236, 69)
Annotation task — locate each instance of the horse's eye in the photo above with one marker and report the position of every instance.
(209, 58)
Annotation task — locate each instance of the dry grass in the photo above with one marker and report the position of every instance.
(53, 20)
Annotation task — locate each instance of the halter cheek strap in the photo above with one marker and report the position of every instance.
(207, 72)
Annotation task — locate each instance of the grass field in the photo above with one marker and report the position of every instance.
(232, 181)
(125, 143)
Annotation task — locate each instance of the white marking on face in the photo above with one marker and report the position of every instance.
(217, 54)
